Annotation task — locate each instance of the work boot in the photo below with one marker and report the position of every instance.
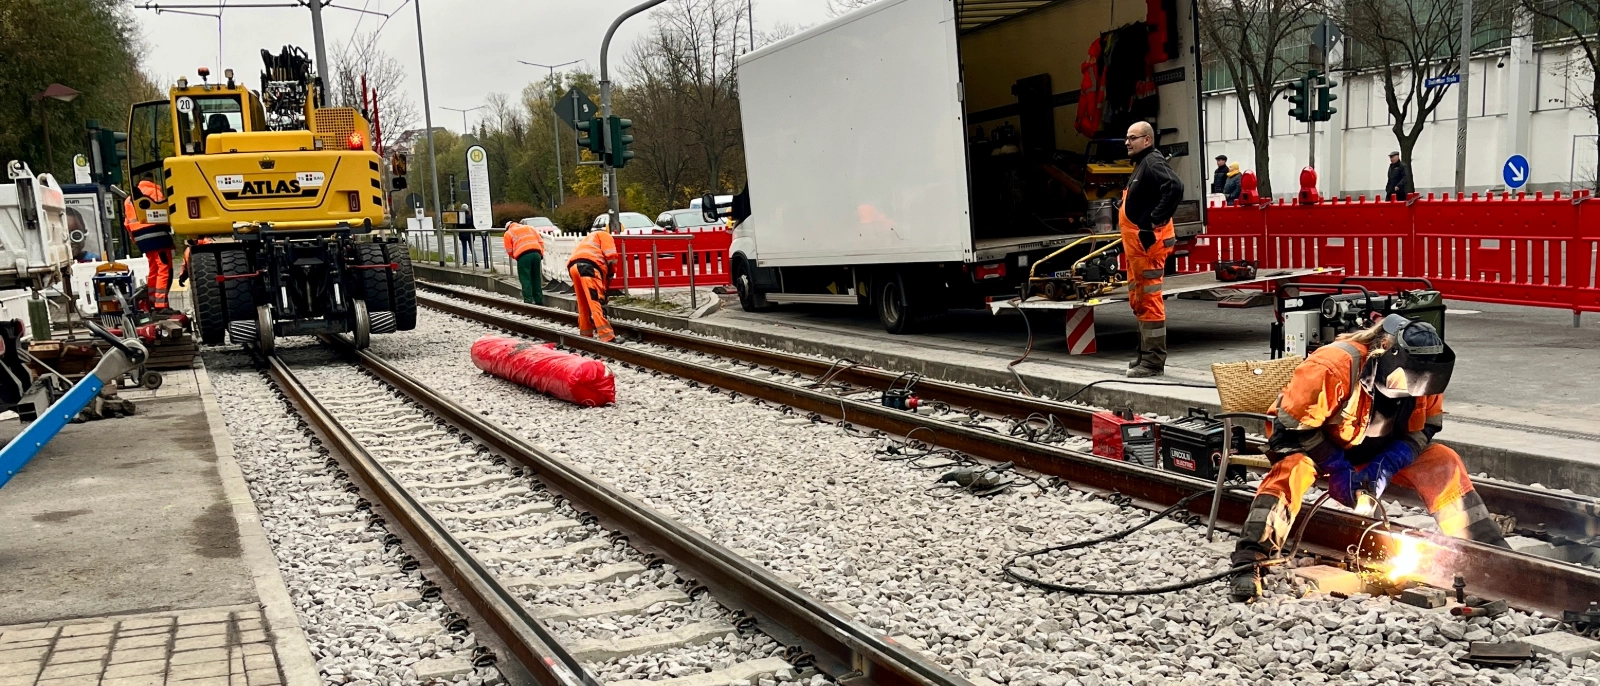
(1245, 585)
(1483, 528)
(1152, 350)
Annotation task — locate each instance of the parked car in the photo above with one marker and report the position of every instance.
(543, 224)
(686, 220)
(633, 224)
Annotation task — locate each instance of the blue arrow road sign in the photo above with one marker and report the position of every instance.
(1437, 81)
(1515, 172)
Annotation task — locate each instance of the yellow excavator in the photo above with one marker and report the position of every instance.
(277, 198)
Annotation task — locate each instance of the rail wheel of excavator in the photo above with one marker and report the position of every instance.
(362, 326)
(266, 338)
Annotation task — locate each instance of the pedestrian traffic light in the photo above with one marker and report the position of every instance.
(397, 172)
(589, 137)
(1299, 93)
(620, 140)
(1325, 97)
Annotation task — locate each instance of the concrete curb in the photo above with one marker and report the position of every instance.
(289, 640)
(1566, 464)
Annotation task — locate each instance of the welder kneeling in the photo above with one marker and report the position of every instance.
(1363, 412)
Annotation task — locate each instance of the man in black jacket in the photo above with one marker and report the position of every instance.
(1396, 188)
(1148, 204)
(1219, 176)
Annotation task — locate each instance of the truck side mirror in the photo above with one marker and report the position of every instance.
(708, 208)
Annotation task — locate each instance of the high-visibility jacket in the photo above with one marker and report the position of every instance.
(1092, 93)
(597, 247)
(1326, 394)
(521, 238)
(149, 237)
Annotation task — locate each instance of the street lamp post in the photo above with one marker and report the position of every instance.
(555, 132)
(612, 198)
(54, 91)
(464, 129)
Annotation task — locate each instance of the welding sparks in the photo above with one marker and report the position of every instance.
(1405, 561)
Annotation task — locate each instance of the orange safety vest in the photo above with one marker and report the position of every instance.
(149, 237)
(1326, 393)
(598, 247)
(520, 238)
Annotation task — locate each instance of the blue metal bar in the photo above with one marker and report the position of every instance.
(27, 444)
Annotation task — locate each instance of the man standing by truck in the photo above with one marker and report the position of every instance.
(1148, 238)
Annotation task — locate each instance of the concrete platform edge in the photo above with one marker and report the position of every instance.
(289, 639)
(1496, 460)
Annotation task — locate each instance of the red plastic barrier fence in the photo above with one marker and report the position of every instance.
(1516, 250)
(671, 256)
(540, 366)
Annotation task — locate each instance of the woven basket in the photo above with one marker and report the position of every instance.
(1252, 386)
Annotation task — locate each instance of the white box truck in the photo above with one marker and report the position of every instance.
(916, 156)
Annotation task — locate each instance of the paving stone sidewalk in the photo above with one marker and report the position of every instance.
(220, 646)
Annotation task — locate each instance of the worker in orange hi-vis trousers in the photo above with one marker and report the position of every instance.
(1363, 412)
(593, 261)
(154, 240)
(1145, 218)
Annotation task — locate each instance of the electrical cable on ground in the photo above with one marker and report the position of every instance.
(1016, 303)
(1011, 568)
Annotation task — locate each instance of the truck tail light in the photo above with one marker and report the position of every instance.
(194, 208)
(355, 200)
(989, 270)
(356, 141)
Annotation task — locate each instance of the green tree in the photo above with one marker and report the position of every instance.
(92, 46)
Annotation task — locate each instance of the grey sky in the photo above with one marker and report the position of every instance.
(473, 45)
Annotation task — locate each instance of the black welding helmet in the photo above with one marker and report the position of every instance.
(1418, 364)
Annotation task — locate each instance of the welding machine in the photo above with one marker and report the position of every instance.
(1192, 445)
(1311, 315)
(1125, 436)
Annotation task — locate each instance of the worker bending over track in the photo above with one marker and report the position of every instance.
(526, 247)
(1363, 411)
(591, 264)
(1145, 218)
(154, 241)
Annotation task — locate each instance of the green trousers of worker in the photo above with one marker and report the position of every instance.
(532, 278)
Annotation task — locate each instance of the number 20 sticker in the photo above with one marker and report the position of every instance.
(185, 104)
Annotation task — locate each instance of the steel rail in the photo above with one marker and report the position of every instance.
(1573, 516)
(851, 652)
(1490, 571)
(530, 644)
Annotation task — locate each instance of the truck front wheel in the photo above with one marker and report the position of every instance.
(749, 299)
(210, 308)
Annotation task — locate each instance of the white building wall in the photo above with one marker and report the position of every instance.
(1368, 136)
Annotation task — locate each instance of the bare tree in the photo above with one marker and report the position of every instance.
(1574, 22)
(838, 7)
(384, 74)
(1258, 43)
(1407, 42)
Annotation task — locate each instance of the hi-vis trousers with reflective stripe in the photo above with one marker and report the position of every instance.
(1145, 271)
(589, 282)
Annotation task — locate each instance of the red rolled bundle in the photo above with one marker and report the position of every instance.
(541, 367)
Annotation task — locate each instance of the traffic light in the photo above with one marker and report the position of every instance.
(397, 172)
(589, 136)
(1299, 98)
(620, 140)
(110, 151)
(1325, 97)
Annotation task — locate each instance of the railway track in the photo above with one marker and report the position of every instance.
(531, 542)
(1554, 515)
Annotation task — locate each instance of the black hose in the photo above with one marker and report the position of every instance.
(1010, 568)
(1092, 384)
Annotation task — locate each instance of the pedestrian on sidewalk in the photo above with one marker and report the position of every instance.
(1148, 238)
(1395, 189)
(1219, 176)
(525, 246)
(1231, 188)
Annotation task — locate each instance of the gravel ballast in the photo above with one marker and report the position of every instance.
(813, 504)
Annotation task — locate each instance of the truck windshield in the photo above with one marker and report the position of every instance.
(150, 140)
(201, 116)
